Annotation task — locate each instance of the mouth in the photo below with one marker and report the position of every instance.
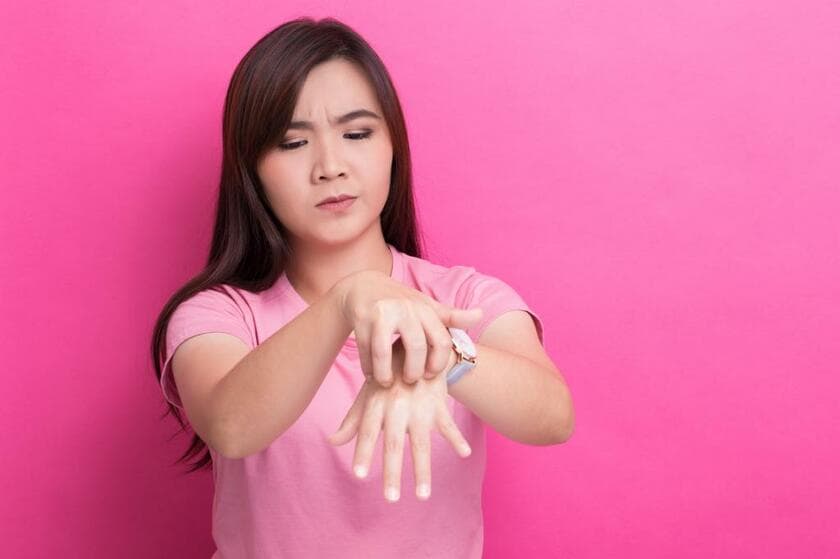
(332, 199)
(342, 204)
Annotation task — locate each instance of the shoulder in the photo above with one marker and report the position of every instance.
(459, 285)
(220, 308)
(465, 286)
(441, 282)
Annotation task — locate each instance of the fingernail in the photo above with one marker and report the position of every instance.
(392, 494)
(360, 471)
(467, 450)
(423, 490)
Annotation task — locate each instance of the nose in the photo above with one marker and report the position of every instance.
(329, 164)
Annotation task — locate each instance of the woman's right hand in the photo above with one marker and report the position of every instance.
(377, 307)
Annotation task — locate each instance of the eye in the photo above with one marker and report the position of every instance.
(352, 135)
(361, 135)
(292, 145)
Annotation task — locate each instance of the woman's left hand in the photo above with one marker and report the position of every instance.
(401, 407)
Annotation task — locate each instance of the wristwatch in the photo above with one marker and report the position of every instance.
(465, 348)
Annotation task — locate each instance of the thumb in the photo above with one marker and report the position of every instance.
(340, 437)
(462, 318)
(350, 423)
(345, 431)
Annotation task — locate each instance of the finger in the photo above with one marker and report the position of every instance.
(454, 317)
(381, 341)
(449, 429)
(439, 342)
(462, 318)
(363, 336)
(422, 456)
(368, 434)
(396, 420)
(350, 423)
(413, 339)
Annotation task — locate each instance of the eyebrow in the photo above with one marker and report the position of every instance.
(352, 115)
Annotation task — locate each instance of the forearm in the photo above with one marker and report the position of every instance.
(517, 397)
(266, 392)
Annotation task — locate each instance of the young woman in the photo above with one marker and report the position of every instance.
(312, 316)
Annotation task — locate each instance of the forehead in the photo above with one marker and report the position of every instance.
(334, 88)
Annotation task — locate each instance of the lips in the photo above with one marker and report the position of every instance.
(338, 198)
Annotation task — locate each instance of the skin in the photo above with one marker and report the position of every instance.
(325, 161)
(413, 408)
(348, 248)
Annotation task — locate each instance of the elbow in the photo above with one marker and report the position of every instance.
(227, 452)
(565, 431)
(566, 423)
(237, 443)
(558, 421)
(226, 443)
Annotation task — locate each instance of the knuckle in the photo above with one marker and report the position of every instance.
(443, 341)
(381, 307)
(368, 436)
(447, 425)
(358, 312)
(380, 350)
(393, 444)
(399, 402)
(415, 343)
(421, 444)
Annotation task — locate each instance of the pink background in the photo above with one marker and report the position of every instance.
(659, 181)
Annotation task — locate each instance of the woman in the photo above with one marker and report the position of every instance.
(311, 315)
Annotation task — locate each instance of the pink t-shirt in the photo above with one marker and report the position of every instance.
(298, 498)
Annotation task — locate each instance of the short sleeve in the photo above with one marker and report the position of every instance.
(495, 297)
(207, 311)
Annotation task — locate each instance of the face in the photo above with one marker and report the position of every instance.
(326, 156)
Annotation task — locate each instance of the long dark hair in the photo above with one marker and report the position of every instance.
(249, 249)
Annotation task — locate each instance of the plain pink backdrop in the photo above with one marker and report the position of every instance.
(660, 182)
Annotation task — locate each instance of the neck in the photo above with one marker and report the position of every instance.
(313, 270)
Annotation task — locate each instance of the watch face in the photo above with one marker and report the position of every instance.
(463, 342)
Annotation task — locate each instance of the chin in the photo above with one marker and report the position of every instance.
(337, 236)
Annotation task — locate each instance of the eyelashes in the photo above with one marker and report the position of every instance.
(353, 136)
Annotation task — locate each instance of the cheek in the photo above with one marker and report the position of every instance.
(284, 200)
(287, 205)
(279, 185)
(381, 169)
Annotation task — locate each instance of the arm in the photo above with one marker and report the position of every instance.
(515, 387)
(266, 392)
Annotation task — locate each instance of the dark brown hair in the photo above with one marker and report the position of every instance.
(249, 249)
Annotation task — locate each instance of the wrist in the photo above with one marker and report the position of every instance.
(464, 351)
(453, 358)
(339, 293)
